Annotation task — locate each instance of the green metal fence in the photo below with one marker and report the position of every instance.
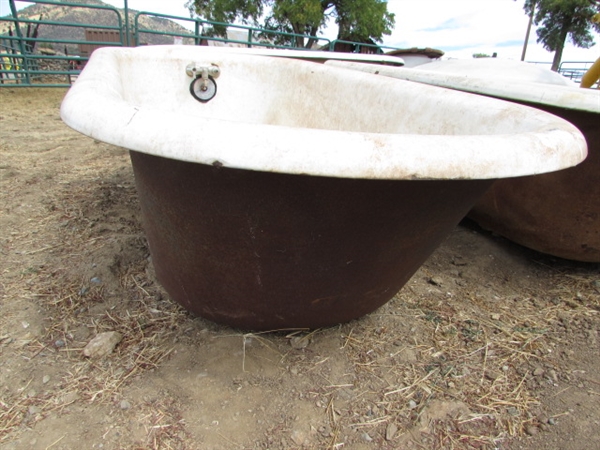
(205, 31)
(22, 64)
(574, 70)
(26, 59)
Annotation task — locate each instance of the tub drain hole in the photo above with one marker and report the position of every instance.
(203, 90)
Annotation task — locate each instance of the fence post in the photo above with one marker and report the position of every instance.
(126, 9)
(24, 59)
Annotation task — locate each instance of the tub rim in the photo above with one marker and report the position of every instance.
(553, 146)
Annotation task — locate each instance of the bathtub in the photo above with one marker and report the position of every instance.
(556, 213)
(299, 195)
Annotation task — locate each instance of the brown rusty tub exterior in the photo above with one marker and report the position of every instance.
(555, 213)
(300, 195)
(269, 250)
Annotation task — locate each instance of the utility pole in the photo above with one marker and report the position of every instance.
(528, 30)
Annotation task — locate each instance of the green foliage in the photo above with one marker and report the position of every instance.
(358, 20)
(304, 17)
(558, 20)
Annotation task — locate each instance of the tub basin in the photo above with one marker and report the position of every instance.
(555, 213)
(301, 195)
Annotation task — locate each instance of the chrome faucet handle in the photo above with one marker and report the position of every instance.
(195, 70)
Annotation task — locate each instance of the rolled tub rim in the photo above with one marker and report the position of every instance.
(296, 150)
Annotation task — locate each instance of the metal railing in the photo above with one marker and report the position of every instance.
(29, 60)
(204, 32)
(21, 65)
(574, 70)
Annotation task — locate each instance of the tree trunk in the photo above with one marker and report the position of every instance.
(298, 40)
(557, 57)
(313, 37)
(559, 49)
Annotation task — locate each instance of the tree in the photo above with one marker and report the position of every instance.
(357, 20)
(558, 20)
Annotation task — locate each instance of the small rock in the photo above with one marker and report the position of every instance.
(436, 281)
(538, 372)
(412, 404)
(325, 430)
(552, 421)
(390, 431)
(298, 437)
(102, 345)
(531, 430)
(492, 375)
(95, 280)
(344, 394)
(591, 336)
(511, 410)
(69, 397)
(495, 316)
(299, 342)
(125, 404)
(33, 410)
(366, 437)
(59, 343)
(45, 379)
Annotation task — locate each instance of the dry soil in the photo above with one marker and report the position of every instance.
(490, 345)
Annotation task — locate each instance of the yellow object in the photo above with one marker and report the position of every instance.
(591, 76)
(596, 18)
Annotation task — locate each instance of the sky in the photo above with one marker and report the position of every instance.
(458, 27)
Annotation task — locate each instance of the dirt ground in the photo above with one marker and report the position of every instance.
(489, 346)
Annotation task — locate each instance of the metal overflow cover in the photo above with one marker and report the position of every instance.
(203, 86)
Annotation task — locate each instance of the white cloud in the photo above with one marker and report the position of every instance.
(464, 27)
(458, 27)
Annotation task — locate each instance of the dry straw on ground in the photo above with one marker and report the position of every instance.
(451, 362)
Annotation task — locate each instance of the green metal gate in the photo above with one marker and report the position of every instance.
(26, 59)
